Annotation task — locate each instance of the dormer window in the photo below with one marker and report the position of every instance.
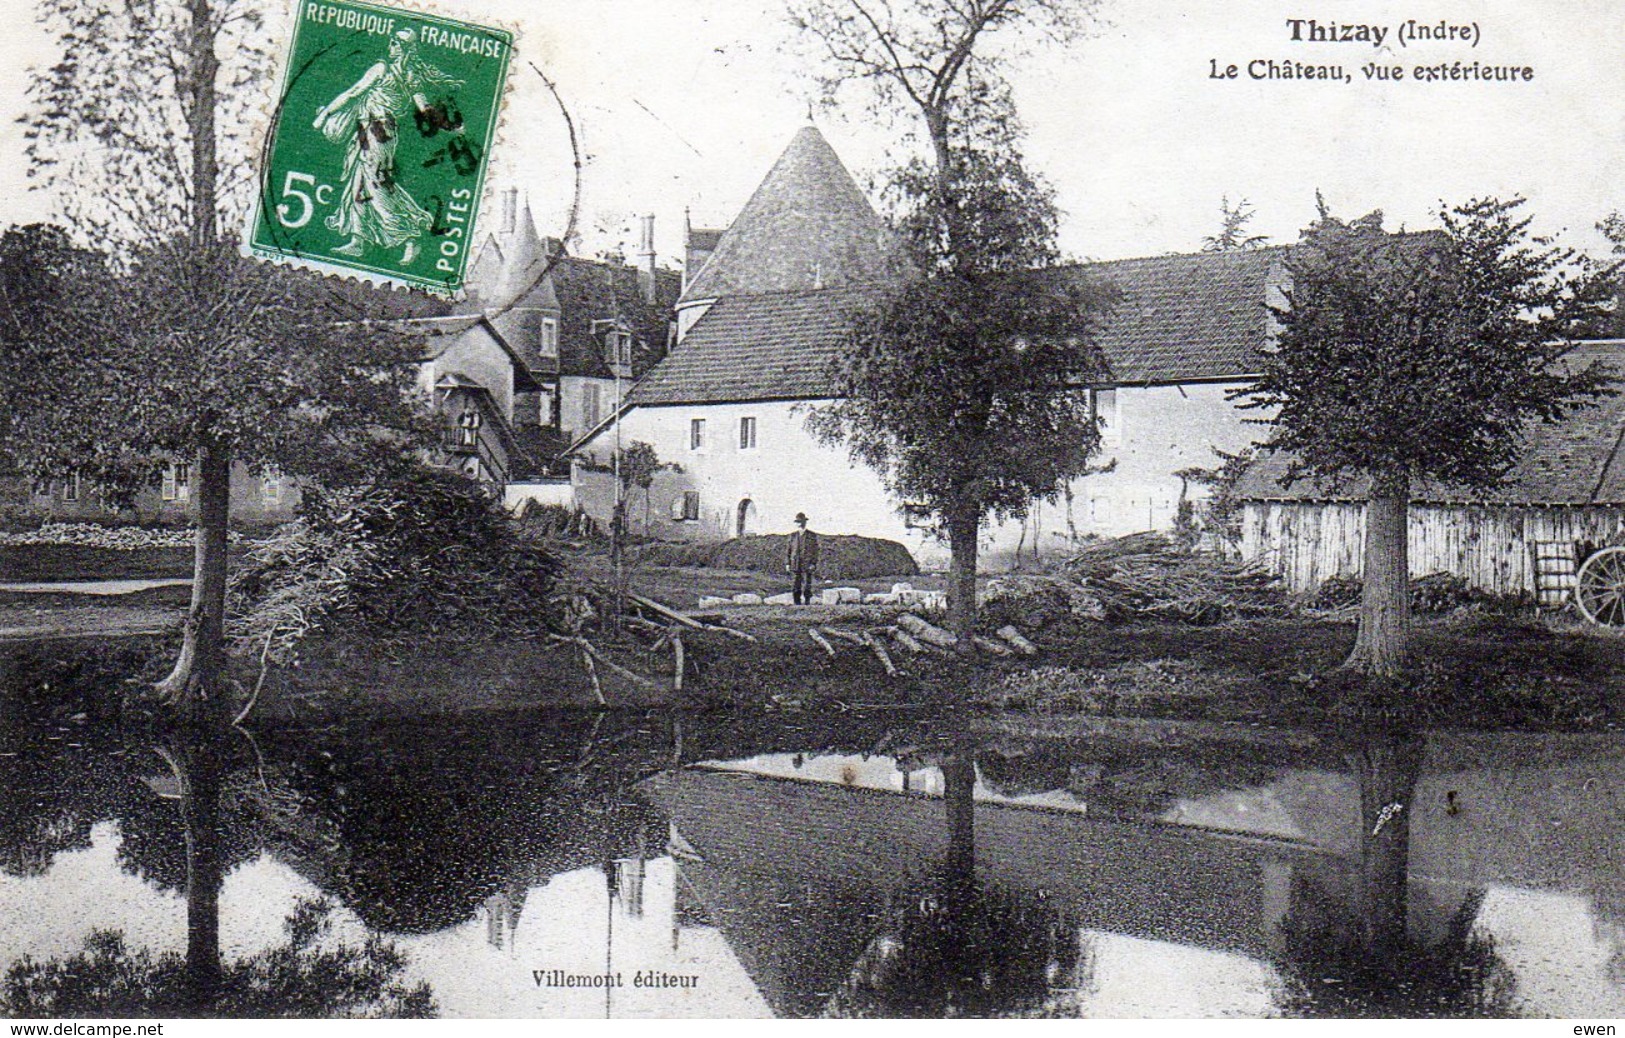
(619, 346)
(617, 342)
(536, 330)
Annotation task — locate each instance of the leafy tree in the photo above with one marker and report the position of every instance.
(1613, 325)
(1410, 357)
(1233, 236)
(960, 386)
(185, 350)
(638, 466)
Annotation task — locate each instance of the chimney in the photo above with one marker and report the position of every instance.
(646, 261)
(510, 210)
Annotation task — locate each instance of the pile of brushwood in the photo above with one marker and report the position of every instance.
(434, 552)
(1146, 575)
(430, 550)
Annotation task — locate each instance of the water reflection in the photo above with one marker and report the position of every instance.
(854, 866)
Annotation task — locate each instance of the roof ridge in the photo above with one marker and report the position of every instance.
(1199, 254)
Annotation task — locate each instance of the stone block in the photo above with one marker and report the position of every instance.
(785, 599)
(925, 601)
(901, 586)
(842, 595)
(880, 598)
(747, 598)
(713, 602)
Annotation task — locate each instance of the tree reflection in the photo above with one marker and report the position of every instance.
(1358, 957)
(307, 975)
(957, 947)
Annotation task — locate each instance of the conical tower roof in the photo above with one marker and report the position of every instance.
(807, 227)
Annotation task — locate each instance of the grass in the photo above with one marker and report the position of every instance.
(1473, 668)
(52, 562)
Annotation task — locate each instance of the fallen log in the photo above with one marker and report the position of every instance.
(989, 645)
(687, 621)
(845, 636)
(881, 653)
(927, 632)
(906, 640)
(666, 611)
(817, 636)
(1017, 641)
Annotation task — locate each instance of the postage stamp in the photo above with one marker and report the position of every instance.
(379, 145)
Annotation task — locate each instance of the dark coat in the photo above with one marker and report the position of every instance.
(802, 553)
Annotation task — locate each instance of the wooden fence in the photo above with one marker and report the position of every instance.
(1491, 546)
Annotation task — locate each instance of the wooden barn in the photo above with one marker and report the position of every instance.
(1526, 536)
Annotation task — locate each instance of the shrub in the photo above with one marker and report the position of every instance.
(840, 556)
(556, 522)
(1431, 594)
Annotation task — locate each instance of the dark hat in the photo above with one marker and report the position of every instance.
(801, 517)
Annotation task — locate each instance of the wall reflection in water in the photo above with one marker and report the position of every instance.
(865, 868)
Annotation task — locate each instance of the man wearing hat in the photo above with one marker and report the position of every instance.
(801, 559)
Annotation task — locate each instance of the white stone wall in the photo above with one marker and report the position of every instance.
(785, 473)
(1160, 430)
(572, 403)
(475, 354)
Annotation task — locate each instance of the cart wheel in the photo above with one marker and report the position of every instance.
(1599, 588)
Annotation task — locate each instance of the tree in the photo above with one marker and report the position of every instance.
(1410, 357)
(638, 465)
(1612, 326)
(1233, 236)
(961, 386)
(186, 350)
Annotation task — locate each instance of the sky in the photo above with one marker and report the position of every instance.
(684, 104)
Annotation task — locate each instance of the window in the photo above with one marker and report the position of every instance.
(747, 434)
(70, 487)
(468, 426)
(691, 506)
(591, 404)
(271, 488)
(617, 345)
(1105, 409)
(696, 434)
(178, 483)
(549, 345)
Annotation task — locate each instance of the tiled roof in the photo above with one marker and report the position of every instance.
(1179, 318)
(765, 347)
(596, 290)
(808, 226)
(1574, 462)
(1174, 318)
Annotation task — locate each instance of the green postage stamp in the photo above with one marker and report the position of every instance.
(379, 145)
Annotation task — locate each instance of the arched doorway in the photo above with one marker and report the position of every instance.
(745, 521)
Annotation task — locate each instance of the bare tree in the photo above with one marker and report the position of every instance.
(942, 60)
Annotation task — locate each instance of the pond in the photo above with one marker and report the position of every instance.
(579, 864)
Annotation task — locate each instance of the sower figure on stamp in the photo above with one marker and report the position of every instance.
(372, 205)
(801, 559)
